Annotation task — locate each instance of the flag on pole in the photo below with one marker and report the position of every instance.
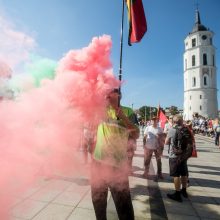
(161, 117)
(137, 21)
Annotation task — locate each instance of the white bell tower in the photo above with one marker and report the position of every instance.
(200, 77)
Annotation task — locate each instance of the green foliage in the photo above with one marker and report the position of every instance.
(174, 110)
(148, 112)
(152, 111)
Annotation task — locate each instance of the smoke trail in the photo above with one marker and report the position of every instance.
(40, 130)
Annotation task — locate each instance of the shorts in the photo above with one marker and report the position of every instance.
(178, 168)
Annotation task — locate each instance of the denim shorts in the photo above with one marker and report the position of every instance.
(178, 168)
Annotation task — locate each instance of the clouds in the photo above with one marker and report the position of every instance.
(15, 45)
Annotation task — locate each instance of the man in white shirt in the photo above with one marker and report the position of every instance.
(152, 135)
(167, 127)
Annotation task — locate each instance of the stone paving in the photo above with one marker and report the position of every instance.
(68, 198)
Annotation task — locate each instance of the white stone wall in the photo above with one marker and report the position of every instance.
(204, 102)
(199, 98)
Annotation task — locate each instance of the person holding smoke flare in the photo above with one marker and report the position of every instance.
(110, 162)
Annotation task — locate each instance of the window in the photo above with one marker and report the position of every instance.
(194, 81)
(185, 64)
(204, 37)
(200, 96)
(213, 60)
(193, 42)
(190, 97)
(205, 80)
(193, 60)
(204, 59)
(189, 107)
(200, 107)
(211, 41)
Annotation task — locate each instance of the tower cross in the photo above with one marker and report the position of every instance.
(197, 5)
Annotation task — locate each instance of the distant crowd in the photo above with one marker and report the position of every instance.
(205, 126)
(200, 125)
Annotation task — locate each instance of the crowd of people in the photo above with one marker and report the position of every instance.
(112, 147)
(206, 126)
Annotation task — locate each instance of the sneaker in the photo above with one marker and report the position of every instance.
(175, 196)
(184, 193)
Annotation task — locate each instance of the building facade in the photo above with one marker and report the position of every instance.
(200, 76)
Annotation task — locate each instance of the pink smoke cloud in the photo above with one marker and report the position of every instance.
(40, 131)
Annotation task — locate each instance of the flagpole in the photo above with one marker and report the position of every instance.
(158, 110)
(121, 47)
(145, 114)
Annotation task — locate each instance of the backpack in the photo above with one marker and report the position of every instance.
(217, 129)
(182, 142)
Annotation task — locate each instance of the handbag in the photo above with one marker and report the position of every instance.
(194, 152)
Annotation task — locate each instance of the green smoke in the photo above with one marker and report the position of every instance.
(41, 68)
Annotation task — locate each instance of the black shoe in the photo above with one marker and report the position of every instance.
(175, 196)
(184, 193)
(160, 176)
(145, 174)
(188, 183)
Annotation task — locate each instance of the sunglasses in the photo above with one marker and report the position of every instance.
(116, 91)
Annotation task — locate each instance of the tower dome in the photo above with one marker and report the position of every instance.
(198, 26)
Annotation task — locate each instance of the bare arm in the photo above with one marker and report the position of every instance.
(167, 141)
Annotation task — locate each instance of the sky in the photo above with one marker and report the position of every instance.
(152, 69)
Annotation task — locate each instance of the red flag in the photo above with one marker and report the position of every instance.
(137, 21)
(161, 117)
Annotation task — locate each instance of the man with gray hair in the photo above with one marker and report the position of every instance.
(179, 138)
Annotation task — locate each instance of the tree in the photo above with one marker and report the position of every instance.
(147, 112)
(174, 110)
